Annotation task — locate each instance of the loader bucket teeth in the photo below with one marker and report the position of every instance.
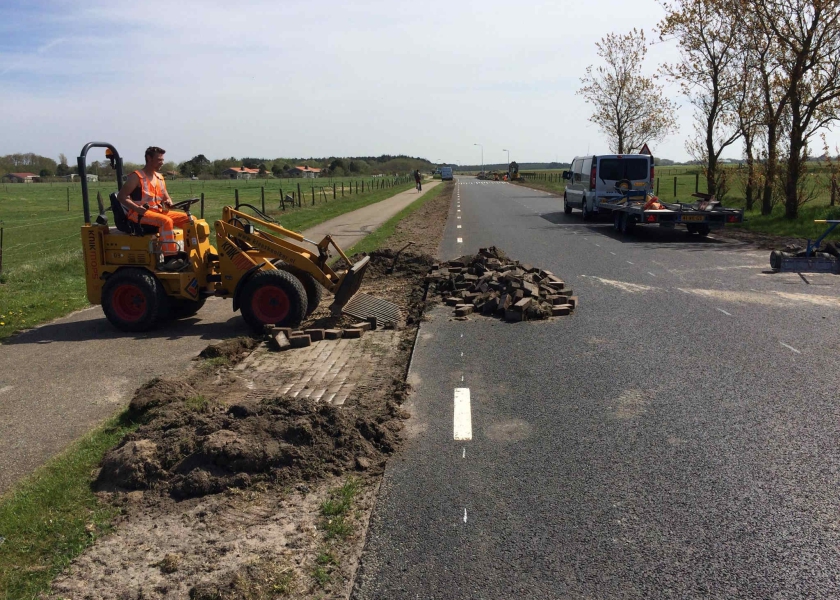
(349, 285)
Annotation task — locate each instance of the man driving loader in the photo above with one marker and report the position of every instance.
(147, 202)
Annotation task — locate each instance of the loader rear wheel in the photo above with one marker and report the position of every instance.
(273, 298)
(314, 290)
(132, 300)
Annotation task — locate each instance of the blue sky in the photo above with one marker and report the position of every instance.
(314, 78)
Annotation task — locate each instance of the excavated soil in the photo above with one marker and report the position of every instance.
(221, 493)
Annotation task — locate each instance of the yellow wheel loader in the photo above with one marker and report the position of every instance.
(271, 277)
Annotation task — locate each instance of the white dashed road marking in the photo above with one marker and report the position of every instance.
(459, 227)
(460, 240)
(790, 347)
(462, 422)
(651, 274)
(724, 312)
(629, 263)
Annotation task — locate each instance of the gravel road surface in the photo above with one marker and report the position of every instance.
(677, 437)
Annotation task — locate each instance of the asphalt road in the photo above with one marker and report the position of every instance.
(677, 437)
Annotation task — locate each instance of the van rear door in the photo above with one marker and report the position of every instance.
(612, 169)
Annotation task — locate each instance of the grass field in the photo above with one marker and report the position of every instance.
(687, 177)
(43, 275)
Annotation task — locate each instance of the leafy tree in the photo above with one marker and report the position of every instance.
(62, 159)
(45, 173)
(630, 109)
(804, 37)
(709, 42)
(195, 166)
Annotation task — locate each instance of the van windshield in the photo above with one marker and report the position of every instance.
(613, 169)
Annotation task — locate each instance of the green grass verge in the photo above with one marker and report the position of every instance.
(335, 509)
(53, 515)
(383, 232)
(43, 273)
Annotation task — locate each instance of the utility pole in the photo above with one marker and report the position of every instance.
(482, 156)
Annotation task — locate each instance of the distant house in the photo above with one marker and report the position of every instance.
(308, 172)
(22, 178)
(72, 177)
(240, 173)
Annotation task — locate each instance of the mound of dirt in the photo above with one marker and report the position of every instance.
(233, 350)
(193, 451)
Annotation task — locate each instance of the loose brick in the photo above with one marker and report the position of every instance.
(453, 301)
(523, 304)
(561, 310)
(573, 300)
(280, 341)
(333, 334)
(300, 341)
(463, 311)
(316, 335)
(286, 330)
(364, 326)
(353, 333)
(514, 315)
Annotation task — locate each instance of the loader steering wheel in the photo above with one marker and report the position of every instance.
(185, 204)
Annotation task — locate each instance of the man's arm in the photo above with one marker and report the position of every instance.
(124, 195)
(167, 199)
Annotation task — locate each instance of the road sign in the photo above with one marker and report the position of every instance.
(645, 150)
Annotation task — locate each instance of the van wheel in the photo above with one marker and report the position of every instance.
(566, 208)
(585, 213)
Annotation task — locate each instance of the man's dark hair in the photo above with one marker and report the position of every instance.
(152, 150)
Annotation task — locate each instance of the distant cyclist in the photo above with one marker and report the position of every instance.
(417, 180)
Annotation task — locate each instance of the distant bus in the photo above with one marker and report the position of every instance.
(446, 173)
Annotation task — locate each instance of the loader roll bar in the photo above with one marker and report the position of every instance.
(116, 163)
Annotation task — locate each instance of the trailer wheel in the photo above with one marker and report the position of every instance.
(703, 230)
(133, 300)
(626, 224)
(617, 221)
(566, 208)
(273, 298)
(691, 228)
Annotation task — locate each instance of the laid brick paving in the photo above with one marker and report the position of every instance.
(327, 371)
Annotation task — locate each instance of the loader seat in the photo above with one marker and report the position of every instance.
(122, 222)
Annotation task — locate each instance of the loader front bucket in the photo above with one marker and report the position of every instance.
(349, 285)
(362, 306)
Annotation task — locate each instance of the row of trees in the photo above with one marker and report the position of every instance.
(762, 73)
(200, 165)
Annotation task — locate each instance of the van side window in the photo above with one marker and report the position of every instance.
(576, 169)
(587, 166)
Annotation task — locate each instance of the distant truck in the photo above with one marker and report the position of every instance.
(446, 173)
(622, 185)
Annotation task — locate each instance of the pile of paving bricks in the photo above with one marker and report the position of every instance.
(281, 338)
(489, 283)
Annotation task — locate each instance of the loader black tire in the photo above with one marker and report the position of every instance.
(181, 308)
(273, 298)
(314, 290)
(133, 300)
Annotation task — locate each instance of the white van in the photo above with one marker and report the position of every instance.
(592, 178)
(446, 173)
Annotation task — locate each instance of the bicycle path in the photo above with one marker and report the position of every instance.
(58, 380)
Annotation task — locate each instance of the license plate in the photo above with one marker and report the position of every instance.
(686, 218)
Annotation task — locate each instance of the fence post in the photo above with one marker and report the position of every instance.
(833, 189)
(300, 198)
(342, 189)
(68, 199)
(675, 187)
(236, 195)
(1, 247)
(282, 199)
(333, 191)
(202, 205)
(313, 195)
(262, 197)
(357, 188)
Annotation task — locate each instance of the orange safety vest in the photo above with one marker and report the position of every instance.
(151, 190)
